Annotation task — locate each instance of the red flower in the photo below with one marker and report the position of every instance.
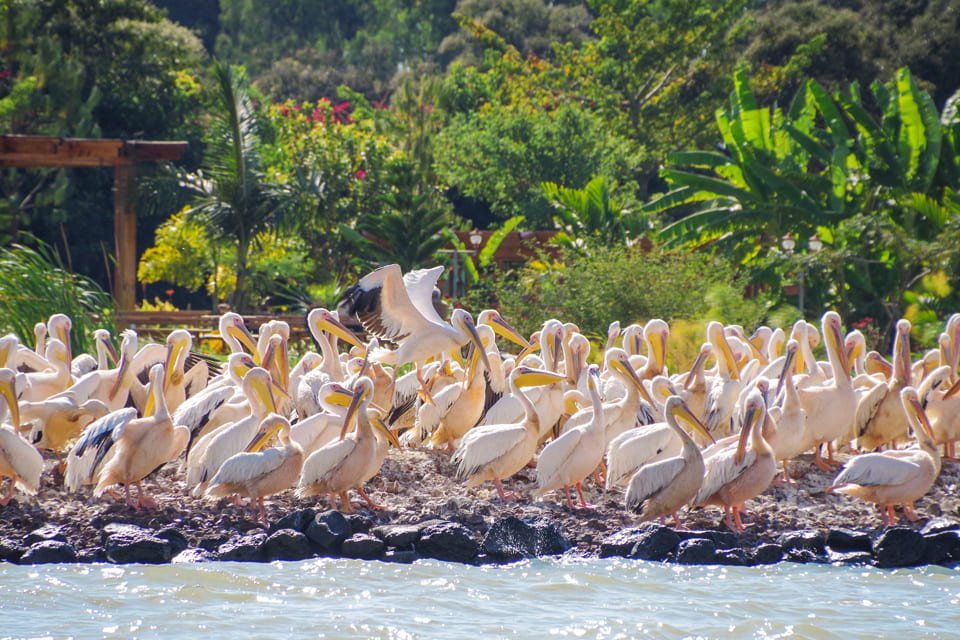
(361, 174)
(169, 292)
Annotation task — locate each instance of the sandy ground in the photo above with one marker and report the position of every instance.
(416, 485)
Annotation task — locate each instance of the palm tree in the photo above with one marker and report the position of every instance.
(230, 193)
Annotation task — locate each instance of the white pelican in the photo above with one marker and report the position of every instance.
(621, 415)
(237, 337)
(220, 402)
(323, 427)
(942, 407)
(344, 463)
(655, 335)
(724, 388)
(59, 419)
(43, 384)
(735, 474)
(576, 453)
(497, 451)
(93, 449)
(613, 332)
(880, 417)
(787, 437)
(400, 309)
(321, 324)
(661, 488)
(143, 445)
(257, 474)
(895, 477)
(213, 449)
(634, 449)
(19, 461)
(40, 338)
(830, 407)
(456, 409)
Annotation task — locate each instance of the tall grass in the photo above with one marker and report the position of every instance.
(34, 285)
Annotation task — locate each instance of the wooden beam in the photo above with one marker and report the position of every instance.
(125, 236)
(44, 151)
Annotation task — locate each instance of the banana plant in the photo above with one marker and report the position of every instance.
(590, 214)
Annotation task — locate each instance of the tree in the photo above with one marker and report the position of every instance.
(231, 194)
(591, 215)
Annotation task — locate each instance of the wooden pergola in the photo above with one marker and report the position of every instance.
(30, 152)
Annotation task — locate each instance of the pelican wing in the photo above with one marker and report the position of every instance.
(635, 448)
(243, 468)
(381, 302)
(720, 470)
(652, 479)
(867, 407)
(482, 445)
(195, 412)
(872, 469)
(85, 387)
(26, 461)
(91, 449)
(324, 462)
(555, 455)
(420, 285)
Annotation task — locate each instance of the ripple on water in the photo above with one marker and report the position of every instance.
(570, 598)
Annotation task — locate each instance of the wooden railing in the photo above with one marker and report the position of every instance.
(201, 324)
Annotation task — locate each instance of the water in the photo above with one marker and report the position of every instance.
(557, 598)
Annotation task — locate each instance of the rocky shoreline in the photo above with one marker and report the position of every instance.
(430, 516)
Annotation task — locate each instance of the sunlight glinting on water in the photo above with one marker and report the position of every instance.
(568, 598)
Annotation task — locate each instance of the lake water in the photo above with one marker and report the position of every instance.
(538, 599)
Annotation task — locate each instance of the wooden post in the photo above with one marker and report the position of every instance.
(125, 235)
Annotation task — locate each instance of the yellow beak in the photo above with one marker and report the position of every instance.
(336, 328)
(9, 394)
(268, 428)
(683, 412)
(502, 328)
(748, 421)
(243, 336)
(391, 436)
(527, 377)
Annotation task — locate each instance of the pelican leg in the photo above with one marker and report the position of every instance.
(7, 494)
(506, 496)
(600, 473)
(566, 494)
(583, 501)
(830, 459)
(908, 511)
(262, 510)
(677, 523)
(369, 501)
(736, 519)
(346, 506)
(728, 519)
(821, 463)
(236, 500)
(143, 500)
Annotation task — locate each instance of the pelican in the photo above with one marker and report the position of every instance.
(19, 461)
(213, 449)
(221, 402)
(655, 335)
(321, 324)
(452, 412)
(576, 453)
(322, 427)
(735, 474)
(830, 407)
(636, 448)
(345, 463)
(895, 477)
(663, 487)
(619, 416)
(786, 432)
(59, 419)
(237, 337)
(400, 308)
(724, 388)
(43, 384)
(880, 417)
(497, 451)
(258, 474)
(142, 446)
(94, 449)
(942, 407)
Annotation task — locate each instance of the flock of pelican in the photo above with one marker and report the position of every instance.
(259, 424)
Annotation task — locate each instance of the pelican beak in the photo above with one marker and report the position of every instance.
(922, 416)
(727, 354)
(173, 354)
(627, 370)
(351, 411)
(557, 348)
(952, 391)
(267, 429)
(243, 336)
(684, 413)
(475, 338)
(339, 395)
(9, 394)
(111, 351)
(531, 348)
(391, 436)
(334, 327)
(570, 406)
(455, 356)
(697, 365)
(122, 371)
(854, 352)
(752, 343)
(473, 357)
(748, 421)
(527, 377)
(63, 335)
(660, 352)
(787, 363)
(502, 328)
(836, 338)
(637, 343)
(150, 406)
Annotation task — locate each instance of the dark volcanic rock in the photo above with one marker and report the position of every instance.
(175, 538)
(243, 548)
(800, 555)
(88, 556)
(359, 523)
(362, 546)
(768, 554)
(859, 558)
(448, 541)
(328, 530)
(11, 550)
(403, 556)
(401, 536)
(939, 525)
(194, 555)
(49, 551)
(899, 547)
(697, 551)
(297, 520)
(128, 543)
(46, 532)
(736, 557)
(722, 539)
(287, 544)
(942, 548)
(848, 540)
(811, 540)
(621, 543)
(512, 539)
(655, 544)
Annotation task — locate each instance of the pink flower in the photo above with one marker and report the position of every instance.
(169, 292)
(361, 174)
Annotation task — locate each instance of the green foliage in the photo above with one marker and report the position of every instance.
(182, 254)
(590, 215)
(34, 285)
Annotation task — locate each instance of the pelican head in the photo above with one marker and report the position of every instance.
(334, 394)
(833, 333)
(40, 332)
(676, 408)
(362, 393)
(754, 413)
(59, 326)
(9, 395)
(8, 346)
(718, 340)
(613, 332)
(178, 346)
(272, 425)
(914, 408)
(275, 360)
(128, 350)
(235, 333)
(57, 351)
(775, 344)
(102, 338)
(492, 319)
(618, 361)
(791, 355)
(632, 338)
(238, 364)
(319, 320)
(551, 343)
(258, 389)
(579, 350)
(855, 345)
(463, 323)
(698, 365)
(655, 333)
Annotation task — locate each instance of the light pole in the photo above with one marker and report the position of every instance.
(814, 245)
